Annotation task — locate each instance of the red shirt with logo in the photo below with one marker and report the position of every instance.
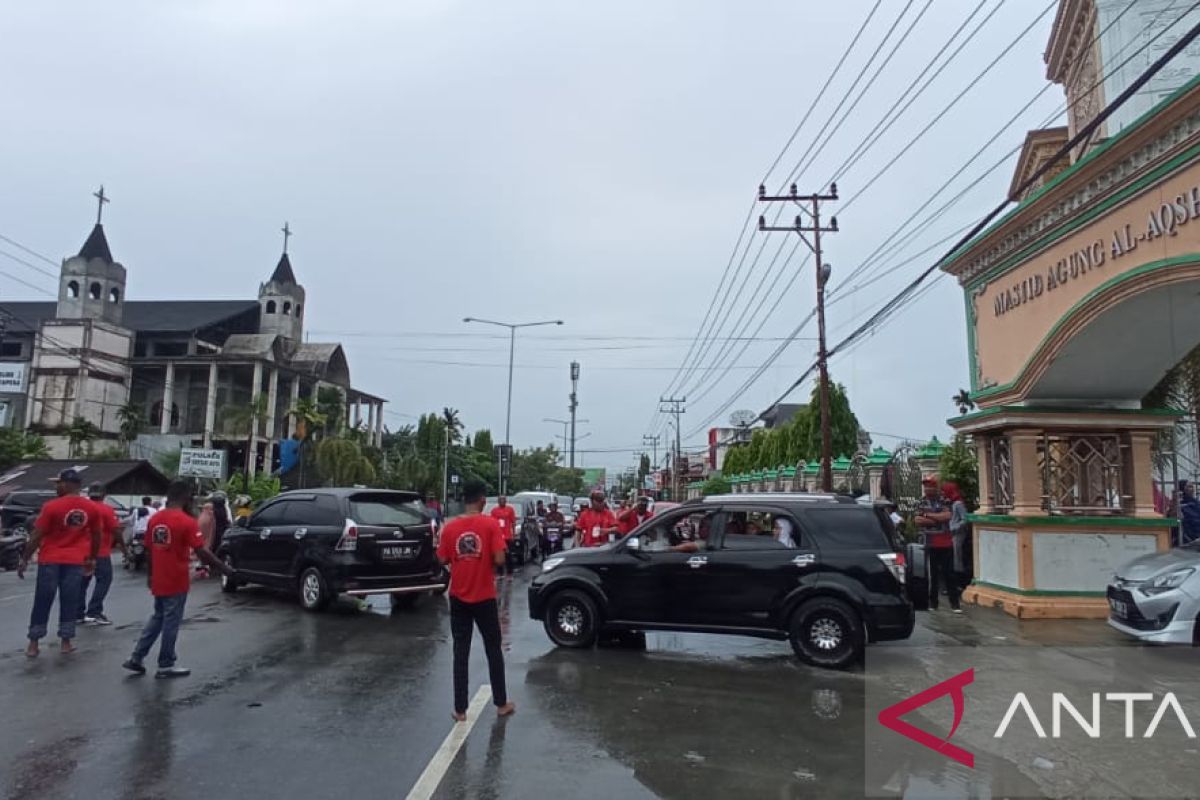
(507, 517)
(110, 527)
(469, 544)
(67, 524)
(594, 526)
(171, 535)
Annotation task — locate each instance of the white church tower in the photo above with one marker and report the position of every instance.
(281, 299)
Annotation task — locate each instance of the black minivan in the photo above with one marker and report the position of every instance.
(822, 571)
(321, 543)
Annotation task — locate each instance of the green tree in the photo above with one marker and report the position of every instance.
(959, 463)
(17, 446)
(775, 449)
(332, 404)
(260, 487)
(716, 485)
(453, 424)
(168, 463)
(483, 442)
(566, 482)
(842, 422)
(342, 463)
(132, 418)
(643, 470)
(757, 449)
(532, 469)
(81, 432)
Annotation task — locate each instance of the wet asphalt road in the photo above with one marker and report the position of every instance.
(282, 703)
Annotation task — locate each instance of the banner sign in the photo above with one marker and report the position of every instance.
(12, 377)
(195, 462)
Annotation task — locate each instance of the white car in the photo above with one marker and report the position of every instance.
(1156, 597)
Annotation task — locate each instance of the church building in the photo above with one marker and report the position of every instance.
(194, 367)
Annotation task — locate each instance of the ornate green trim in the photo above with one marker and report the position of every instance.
(1073, 411)
(1075, 522)
(1073, 170)
(1037, 592)
(1116, 280)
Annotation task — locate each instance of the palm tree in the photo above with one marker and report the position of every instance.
(330, 404)
(963, 401)
(342, 463)
(82, 431)
(453, 424)
(245, 418)
(132, 418)
(309, 417)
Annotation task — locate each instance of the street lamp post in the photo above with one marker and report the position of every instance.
(566, 423)
(512, 346)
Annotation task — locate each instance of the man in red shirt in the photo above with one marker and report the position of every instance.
(110, 536)
(472, 545)
(596, 523)
(67, 533)
(506, 515)
(632, 517)
(171, 536)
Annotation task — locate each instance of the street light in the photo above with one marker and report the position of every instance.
(565, 423)
(512, 345)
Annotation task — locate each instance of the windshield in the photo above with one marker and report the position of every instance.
(386, 510)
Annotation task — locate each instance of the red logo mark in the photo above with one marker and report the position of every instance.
(890, 717)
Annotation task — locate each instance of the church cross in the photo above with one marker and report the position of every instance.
(287, 232)
(100, 201)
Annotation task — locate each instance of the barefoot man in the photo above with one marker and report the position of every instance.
(473, 545)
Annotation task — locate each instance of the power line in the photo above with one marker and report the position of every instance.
(29, 264)
(28, 250)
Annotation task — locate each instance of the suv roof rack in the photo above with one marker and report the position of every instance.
(768, 497)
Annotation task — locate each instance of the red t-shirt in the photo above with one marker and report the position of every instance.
(469, 544)
(171, 535)
(630, 520)
(594, 526)
(507, 517)
(110, 527)
(67, 524)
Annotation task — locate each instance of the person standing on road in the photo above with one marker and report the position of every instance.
(67, 533)
(506, 516)
(92, 613)
(960, 533)
(933, 518)
(595, 523)
(472, 545)
(632, 517)
(172, 535)
(1189, 514)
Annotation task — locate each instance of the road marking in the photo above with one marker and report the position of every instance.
(15, 597)
(428, 783)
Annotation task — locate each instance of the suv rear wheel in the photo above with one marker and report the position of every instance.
(313, 590)
(572, 619)
(826, 633)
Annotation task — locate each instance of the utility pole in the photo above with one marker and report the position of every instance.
(674, 406)
(564, 436)
(446, 471)
(811, 204)
(653, 442)
(574, 405)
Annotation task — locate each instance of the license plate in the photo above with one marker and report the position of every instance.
(1119, 607)
(398, 552)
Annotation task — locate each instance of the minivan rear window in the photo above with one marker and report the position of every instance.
(849, 528)
(385, 510)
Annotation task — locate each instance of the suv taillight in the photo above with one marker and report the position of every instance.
(895, 563)
(349, 540)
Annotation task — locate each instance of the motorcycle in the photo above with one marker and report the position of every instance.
(552, 539)
(137, 551)
(12, 547)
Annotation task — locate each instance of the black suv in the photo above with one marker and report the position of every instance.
(714, 566)
(20, 508)
(324, 542)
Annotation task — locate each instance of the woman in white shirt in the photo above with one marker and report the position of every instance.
(783, 532)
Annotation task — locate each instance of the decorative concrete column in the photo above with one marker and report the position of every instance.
(255, 392)
(379, 425)
(1027, 476)
(295, 389)
(168, 400)
(357, 413)
(982, 444)
(1141, 477)
(370, 420)
(210, 408)
(272, 399)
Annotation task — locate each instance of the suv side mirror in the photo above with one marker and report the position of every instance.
(241, 522)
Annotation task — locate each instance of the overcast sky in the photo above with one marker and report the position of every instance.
(519, 161)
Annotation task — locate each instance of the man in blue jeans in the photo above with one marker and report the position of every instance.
(92, 612)
(171, 536)
(66, 536)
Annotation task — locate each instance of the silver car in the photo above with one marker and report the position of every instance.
(1156, 597)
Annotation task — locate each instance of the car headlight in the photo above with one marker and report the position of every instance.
(551, 563)
(1168, 581)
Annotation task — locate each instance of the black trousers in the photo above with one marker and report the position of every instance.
(941, 572)
(464, 618)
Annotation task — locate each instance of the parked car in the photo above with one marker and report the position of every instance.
(20, 508)
(320, 543)
(1156, 597)
(700, 567)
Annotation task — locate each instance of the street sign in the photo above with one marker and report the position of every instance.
(454, 479)
(196, 462)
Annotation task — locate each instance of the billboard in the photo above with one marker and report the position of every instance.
(594, 477)
(12, 377)
(196, 462)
